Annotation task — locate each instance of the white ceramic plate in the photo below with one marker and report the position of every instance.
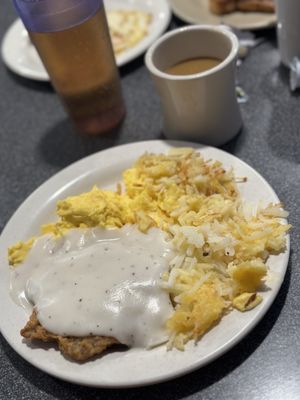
(21, 57)
(197, 12)
(134, 367)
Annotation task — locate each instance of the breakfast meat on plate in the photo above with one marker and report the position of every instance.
(221, 7)
(77, 348)
(94, 287)
(159, 260)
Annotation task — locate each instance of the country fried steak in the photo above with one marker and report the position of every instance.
(77, 348)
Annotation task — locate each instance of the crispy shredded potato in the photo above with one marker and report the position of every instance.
(222, 243)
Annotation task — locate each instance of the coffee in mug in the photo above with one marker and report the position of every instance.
(193, 66)
(193, 69)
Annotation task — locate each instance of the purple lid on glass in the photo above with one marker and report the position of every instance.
(55, 15)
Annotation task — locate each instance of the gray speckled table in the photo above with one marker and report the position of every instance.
(36, 141)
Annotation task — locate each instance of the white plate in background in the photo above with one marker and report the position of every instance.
(197, 12)
(20, 55)
(134, 367)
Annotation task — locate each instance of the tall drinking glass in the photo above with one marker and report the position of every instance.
(73, 41)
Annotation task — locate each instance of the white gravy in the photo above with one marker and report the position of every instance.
(98, 282)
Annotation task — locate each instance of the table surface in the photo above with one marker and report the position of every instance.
(36, 141)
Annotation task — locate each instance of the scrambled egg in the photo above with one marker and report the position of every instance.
(18, 252)
(222, 244)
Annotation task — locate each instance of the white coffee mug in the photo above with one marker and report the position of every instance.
(288, 29)
(203, 106)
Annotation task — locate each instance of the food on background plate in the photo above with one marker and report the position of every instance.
(217, 261)
(127, 28)
(221, 7)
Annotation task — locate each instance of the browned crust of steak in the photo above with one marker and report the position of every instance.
(77, 348)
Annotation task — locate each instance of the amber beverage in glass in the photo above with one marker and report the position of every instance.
(73, 41)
